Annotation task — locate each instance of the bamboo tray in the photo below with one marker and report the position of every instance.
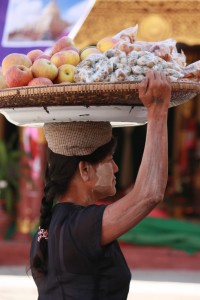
(115, 102)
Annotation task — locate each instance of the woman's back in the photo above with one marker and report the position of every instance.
(78, 266)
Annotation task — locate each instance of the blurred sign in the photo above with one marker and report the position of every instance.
(31, 24)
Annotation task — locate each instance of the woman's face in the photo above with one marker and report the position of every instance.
(104, 179)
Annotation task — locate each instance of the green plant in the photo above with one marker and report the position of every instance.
(9, 173)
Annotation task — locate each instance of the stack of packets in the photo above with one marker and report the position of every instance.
(129, 60)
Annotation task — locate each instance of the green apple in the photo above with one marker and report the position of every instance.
(65, 73)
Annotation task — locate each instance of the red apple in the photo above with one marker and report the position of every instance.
(74, 48)
(33, 54)
(46, 56)
(63, 42)
(14, 59)
(40, 81)
(44, 68)
(18, 75)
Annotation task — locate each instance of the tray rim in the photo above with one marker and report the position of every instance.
(15, 96)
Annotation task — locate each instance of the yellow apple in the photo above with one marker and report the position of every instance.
(65, 73)
(106, 43)
(65, 57)
(15, 59)
(87, 51)
(63, 42)
(18, 75)
(33, 54)
(44, 68)
(40, 81)
(3, 84)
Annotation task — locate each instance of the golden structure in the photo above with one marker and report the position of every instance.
(157, 20)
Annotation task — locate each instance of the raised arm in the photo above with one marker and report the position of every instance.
(150, 184)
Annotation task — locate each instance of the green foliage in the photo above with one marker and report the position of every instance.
(9, 172)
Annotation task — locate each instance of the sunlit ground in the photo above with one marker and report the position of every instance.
(151, 285)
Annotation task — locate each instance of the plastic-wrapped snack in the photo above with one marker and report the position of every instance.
(95, 68)
(112, 77)
(158, 67)
(99, 76)
(134, 77)
(124, 46)
(142, 53)
(148, 60)
(132, 58)
(174, 65)
(142, 46)
(139, 70)
(128, 34)
(83, 76)
(93, 59)
(114, 60)
(192, 70)
(105, 66)
(164, 48)
(179, 58)
(124, 67)
(161, 51)
(122, 75)
(172, 78)
(193, 79)
(172, 72)
(114, 53)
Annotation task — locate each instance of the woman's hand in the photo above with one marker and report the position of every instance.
(155, 91)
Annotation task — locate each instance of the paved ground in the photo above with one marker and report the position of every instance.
(15, 284)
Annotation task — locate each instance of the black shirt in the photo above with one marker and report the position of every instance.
(79, 268)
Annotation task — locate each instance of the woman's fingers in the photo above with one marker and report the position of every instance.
(154, 88)
(143, 87)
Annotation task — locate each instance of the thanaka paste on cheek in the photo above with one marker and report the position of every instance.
(105, 175)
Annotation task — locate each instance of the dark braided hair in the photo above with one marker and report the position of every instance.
(59, 172)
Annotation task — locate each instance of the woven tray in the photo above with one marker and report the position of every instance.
(117, 103)
(123, 93)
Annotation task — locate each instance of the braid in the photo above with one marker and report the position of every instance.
(41, 258)
(47, 204)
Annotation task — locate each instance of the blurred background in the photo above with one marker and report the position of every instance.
(167, 241)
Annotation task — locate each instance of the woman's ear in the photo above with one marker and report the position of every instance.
(84, 169)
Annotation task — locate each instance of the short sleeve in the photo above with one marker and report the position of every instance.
(85, 229)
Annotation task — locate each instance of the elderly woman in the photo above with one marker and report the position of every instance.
(74, 254)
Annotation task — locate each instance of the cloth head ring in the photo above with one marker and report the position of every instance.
(77, 138)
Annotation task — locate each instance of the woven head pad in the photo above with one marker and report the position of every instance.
(77, 138)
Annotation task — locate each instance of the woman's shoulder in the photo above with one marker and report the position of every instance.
(69, 209)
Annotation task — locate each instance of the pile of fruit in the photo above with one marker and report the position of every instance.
(38, 68)
(113, 59)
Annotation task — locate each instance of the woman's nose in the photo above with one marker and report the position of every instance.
(115, 167)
